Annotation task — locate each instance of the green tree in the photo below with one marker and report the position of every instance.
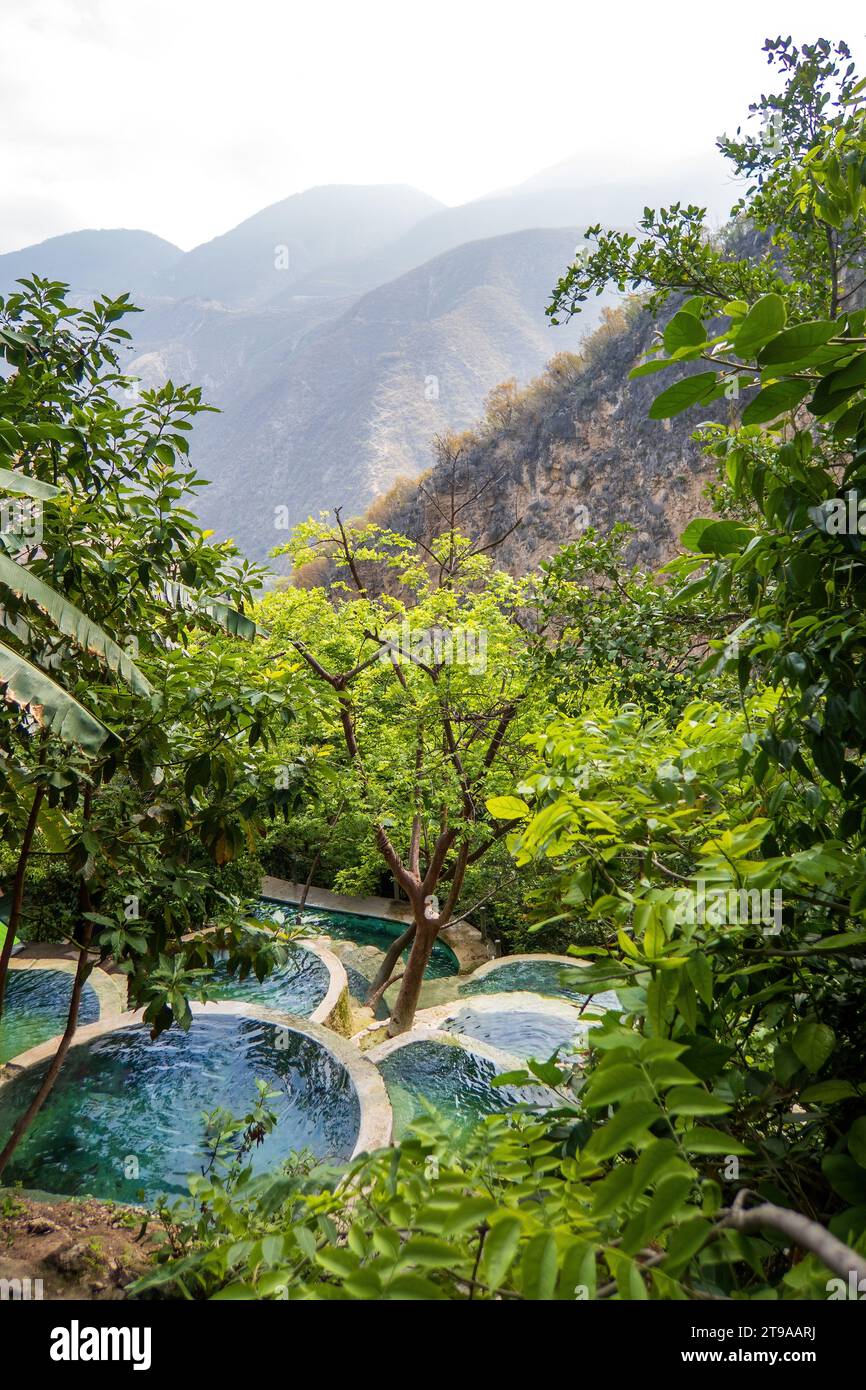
(130, 738)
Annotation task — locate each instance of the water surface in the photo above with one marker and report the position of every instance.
(124, 1121)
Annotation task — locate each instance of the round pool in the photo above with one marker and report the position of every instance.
(296, 987)
(454, 1080)
(526, 1025)
(553, 975)
(124, 1121)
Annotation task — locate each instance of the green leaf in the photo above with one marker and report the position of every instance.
(685, 1244)
(775, 400)
(25, 486)
(827, 1092)
(507, 807)
(693, 1100)
(610, 1083)
(813, 1042)
(764, 320)
(630, 1123)
(428, 1252)
(690, 391)
(683, 331)
(49, 704)
(538, 1268)
(500, 1248)
(73, 623)
(797, 342)
(702, 1140)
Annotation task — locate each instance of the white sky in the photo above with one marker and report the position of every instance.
(185, 116)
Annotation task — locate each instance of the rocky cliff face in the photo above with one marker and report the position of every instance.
(575, 448)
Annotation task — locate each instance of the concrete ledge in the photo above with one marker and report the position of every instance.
(332, 1012)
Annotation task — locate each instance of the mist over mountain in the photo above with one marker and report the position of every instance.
(93, 262)
(358, 401)
(341, 329)
(276, 248)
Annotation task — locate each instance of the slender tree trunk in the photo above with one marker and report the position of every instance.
(392, 955)
(403, 1012)
(82, 971)
(18, 890)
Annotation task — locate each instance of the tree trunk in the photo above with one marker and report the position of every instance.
(403, 1012)
(392, 955)
(18, 890)
(26, 1120)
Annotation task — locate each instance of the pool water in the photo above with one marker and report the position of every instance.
(538, 977)
(452, 1079)
(296, 987)
(366, 939)
(36, 1006)
(525, 1029)
(124, 1121)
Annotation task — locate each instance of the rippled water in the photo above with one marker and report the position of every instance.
(124, 1120)
(526, 1032)
(35, 1008)
(450, 1078)
(296, 987)
(538, 976)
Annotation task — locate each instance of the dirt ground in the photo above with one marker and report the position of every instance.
(79, 1249)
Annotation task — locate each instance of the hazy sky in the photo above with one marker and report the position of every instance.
(185, 116)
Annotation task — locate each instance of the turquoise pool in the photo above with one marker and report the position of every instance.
(36, 1006)
(452, 1079)
(124, 1121)
(538, 977)
(360, 942)
(297, 987)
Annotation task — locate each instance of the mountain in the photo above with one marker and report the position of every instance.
(559, 197)
(92, 262)
(575, 448)
(340, 330)
(335, 418)
(264, 256)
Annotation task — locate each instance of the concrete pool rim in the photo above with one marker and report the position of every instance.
(375, 1116)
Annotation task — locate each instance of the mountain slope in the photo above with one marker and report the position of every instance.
(358, 401)
(92, 262)
(576, 448)
(274, 249)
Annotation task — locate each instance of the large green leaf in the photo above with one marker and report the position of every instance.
(21, 484)
(763, 321)
(690, 391)
(775, 400)
(220, 612)
(683, 331)
(797, 342)
(73, 623)
(50, 705)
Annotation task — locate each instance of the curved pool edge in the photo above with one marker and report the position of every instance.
(376, 1118)
(333, 1011)
(506, 1061)
(464, 940)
